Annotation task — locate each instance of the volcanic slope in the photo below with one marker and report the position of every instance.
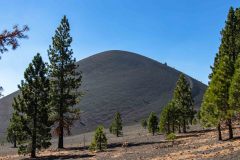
(120, 81)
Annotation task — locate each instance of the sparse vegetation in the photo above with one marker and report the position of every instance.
(49, 93)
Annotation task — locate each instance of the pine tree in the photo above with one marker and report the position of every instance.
(209, 113)
(144, 123)
(169, 118)
(30, 119)
(229, 48)
(15, 124)
(116, 126)
(65, 81)
(234, 90)
(10, 38)
(152, 123)
(183, 100)
(215, 107)
(99, 141)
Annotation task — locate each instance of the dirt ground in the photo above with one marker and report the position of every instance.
(197, 144)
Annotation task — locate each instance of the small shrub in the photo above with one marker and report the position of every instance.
(171, 137)
(99, 141)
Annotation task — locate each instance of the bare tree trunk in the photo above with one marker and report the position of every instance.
(60, 137)
(184, 126)
(219, 132)
(34, 136)
(173, 127)
(230, 130)
(14, 142)
(179, 128)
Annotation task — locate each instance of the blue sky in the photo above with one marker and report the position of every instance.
(185, 34)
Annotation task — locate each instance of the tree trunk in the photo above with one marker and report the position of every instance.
(230, 130)
(184, 126)
(60, 137)
(100, 146)
(168, 128)
(179, 128)
(219, 132)
(14, 142)
(33, 149)
(173, 129)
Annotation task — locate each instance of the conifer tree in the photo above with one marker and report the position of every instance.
(65, 81)
(10, 38)
(152, 123)
(144, 123)
(215, 102)
(30, 119)
(234, 90)
(183, 100)
(116, 126)
(15, 124)
(99, 141)
(210, 115)
(169, 118)
(229, 48)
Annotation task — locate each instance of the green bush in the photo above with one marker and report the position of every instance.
(99, 141)
(171, 137)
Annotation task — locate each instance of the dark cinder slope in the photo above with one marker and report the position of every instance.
(119, 81)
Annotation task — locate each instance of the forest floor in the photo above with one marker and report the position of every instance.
(196, 144)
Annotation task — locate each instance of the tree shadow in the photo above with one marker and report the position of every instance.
(233, 139)
(115, 145)
(202, 130)
(55, 157)
(76, 148)
(187, 136)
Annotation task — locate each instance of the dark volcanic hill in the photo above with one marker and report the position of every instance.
(119, 81)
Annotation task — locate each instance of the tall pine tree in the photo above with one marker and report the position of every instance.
(215, 102)
(30, 121)
(183, 100)
(234, 91)
(65, 81)
(227, 55)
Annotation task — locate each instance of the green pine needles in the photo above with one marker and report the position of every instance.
(30, 125)
(152, 123)
(99, 142)
(116, 126)
(47, 97)
(179, 112)
(65, 81)
(221, 100)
